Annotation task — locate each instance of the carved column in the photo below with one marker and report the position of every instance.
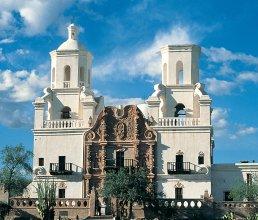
(86, 187)
(88, 159)
(136, 152)
(150, 162)
(102, 158)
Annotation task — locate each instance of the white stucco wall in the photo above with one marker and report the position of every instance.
(194, 185)
(190, 141)
(52, 144)
(226, 176)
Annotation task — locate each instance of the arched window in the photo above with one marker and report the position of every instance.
(201, 158)
(66, 113)
(53, 74)
(67, 73)
(165, 77)
(180, 73)
(180, 110)
(82, 73)
(179, 191)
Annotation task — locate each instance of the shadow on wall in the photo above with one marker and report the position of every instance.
(170, 103)
(75, 177)
(21, 215)
(160, 150)
(58, 107)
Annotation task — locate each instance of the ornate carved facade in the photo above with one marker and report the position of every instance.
(119, 138)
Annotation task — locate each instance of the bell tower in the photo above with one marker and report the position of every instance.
(180, 65)
(70, 63)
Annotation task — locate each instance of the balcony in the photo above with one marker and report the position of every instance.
(63, 124)
(61, 169)
(178, 122)
(114, 164)
(181, 168)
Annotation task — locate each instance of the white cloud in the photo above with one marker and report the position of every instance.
(112, 101)
(219, 87)
(248, 76)
(6, 41)
(220, 55)
(115, 101)
(145, 61)
(22, 51)
(243, 131)
(15, 115)
(226, 69)
(2, 56)
(6, 18)
(37, 15)
(140, 7)
(246, 130)
(22, 86)
(219, 118)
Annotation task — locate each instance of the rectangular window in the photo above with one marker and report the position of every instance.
(249, 178)
(61, 193)
(201, 160)
(227, 197)
(178, 193)
(41, 161)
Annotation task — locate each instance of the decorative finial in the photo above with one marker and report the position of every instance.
(72, 32)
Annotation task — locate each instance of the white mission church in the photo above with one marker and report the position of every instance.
(178, 114)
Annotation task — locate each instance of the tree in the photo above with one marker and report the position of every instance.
(127, 187)
(245, 190)
(4, 209)
(46, 192)
(15, 169)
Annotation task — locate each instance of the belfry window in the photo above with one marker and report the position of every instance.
(67, 73)
(179, 73)
(180, 110)
(82, 73)
(66, 113)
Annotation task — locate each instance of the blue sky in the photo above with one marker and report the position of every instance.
(124, 37)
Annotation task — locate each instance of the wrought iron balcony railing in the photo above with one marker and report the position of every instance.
(114, 164)
(61, 169)
(181, 168)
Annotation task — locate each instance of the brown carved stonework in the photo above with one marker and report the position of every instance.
(120, 131)
(119, 137)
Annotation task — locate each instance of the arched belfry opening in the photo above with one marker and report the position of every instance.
(67, 73)
(179, 73)
(180, 110)
(66, 112)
